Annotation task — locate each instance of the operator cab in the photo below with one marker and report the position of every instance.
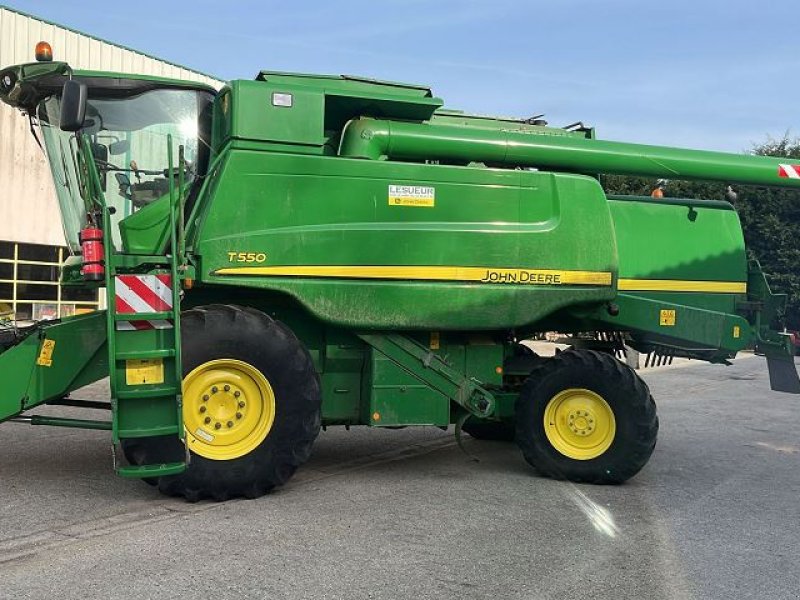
(128, 122)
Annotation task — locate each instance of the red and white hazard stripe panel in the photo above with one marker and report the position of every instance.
(143, 294)
(790, 171)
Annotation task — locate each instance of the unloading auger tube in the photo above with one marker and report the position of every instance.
(377, 139)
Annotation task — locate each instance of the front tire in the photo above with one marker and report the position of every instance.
(251, 406)
(586, 417)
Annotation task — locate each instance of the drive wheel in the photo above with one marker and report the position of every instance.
(251, 406)
(586, 417)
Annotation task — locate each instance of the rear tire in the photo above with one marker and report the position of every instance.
(245, 345)
(586, 417)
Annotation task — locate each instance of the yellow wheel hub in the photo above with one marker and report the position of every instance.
(579, 424)
(228, 409)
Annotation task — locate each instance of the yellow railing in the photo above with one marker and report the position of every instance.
(62, 307)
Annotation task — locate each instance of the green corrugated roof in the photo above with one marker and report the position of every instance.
(99, 39)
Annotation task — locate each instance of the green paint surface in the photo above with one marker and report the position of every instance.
(361, 211)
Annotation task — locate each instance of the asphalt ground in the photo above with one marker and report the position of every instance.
(406, 514)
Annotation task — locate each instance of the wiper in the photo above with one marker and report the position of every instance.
(33, 133)
(64, 165)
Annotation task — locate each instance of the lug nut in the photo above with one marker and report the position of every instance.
(205, 398)
(217, 425)
(237, 393)
(202, 409)
(230, 423)
(214, 390)
(207, 420)
(238, 415)
(241, 403)
(227, 388)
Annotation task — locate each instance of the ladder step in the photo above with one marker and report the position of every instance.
(133, 260)
(153, 316)
(145, 354)
(144, 471)
(152, 392)
(141, 432)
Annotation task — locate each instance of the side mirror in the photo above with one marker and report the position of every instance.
(73, 105)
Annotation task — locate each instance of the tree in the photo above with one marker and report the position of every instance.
(771, 222)
(770, 219)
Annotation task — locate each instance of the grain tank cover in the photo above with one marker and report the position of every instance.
(311, 110)
(348, 82)
(347, 96)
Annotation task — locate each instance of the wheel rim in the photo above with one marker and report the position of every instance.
(579, 423)
(228, 409)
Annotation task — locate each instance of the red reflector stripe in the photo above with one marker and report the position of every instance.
(789, 171)
(143, 293)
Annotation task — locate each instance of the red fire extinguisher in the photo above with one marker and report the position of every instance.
(92, 247)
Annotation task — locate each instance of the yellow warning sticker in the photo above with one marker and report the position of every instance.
(147, 371)
(412, 195)
(46, 353)
(667, 318)
(737, 332)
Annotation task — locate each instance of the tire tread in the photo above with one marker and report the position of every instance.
(637, 405)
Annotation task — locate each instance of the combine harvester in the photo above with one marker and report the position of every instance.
(304, 250)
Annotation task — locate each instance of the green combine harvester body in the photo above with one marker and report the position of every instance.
(300, 250)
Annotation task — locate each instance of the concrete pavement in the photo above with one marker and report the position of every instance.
(405, 514)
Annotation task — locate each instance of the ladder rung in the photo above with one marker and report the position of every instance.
(144, 471)
(141, 432)
(127, 260)
(145, 354)
(154, 316)
(152, 392)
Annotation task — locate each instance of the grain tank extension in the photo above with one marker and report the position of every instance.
(301, 251)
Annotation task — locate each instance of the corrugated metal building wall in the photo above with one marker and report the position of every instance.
(28, 208)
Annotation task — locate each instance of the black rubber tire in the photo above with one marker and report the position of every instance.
(624, 391)
(225, 331)
(499, 431)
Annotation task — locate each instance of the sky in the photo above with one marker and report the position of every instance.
(700, 74)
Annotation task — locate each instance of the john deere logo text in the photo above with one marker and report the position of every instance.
(521, 276)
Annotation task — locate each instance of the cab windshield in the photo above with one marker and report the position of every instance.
(129, 146)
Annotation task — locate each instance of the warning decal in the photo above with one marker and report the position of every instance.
(46, 353)
(666, 318)
(412, 195)
(144, 371)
